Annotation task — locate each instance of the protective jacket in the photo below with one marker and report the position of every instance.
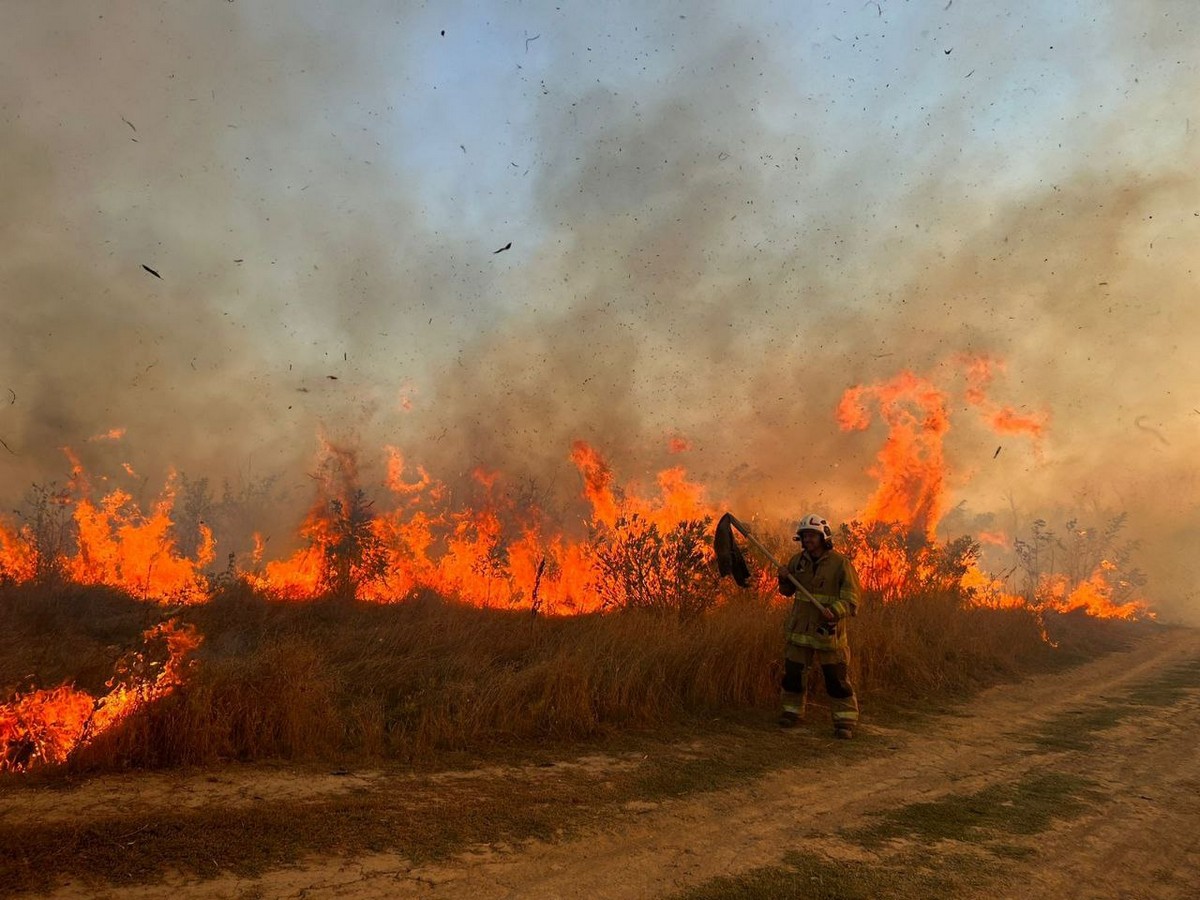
(833, 581)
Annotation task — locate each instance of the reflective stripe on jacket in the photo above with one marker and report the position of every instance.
(833, 581)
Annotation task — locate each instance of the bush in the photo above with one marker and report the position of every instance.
(639, 567)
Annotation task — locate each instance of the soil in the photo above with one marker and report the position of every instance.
(1083, 783)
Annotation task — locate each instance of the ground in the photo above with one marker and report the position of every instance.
(1083, 783)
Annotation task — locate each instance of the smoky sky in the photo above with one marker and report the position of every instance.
(718, 224)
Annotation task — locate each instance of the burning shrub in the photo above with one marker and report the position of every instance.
(1084, 557)
(897, 561)
(18, 561)
(639, 567)
(354, 553)
(48, 530)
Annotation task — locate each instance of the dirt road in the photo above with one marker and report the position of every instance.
(1084, 783)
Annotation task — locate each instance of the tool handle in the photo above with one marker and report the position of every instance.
(778, 565)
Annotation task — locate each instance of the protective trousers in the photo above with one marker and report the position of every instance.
(835, 665)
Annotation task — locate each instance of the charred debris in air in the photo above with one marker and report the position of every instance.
(12, 400)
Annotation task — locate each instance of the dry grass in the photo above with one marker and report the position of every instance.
(414, 680)
(50, 634)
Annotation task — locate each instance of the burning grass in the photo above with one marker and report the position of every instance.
(348, 645)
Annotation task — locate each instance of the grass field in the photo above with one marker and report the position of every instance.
(411, 681)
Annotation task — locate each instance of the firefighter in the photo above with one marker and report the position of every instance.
(817, 634)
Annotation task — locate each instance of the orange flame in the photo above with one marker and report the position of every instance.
(483, 545)
(912, 473)
(488, 553)
(597, 482)
(47, 726)
(1093, 595)
(121, 547)
(981, 371)
(677, 444)
(113, 434)
(18, 561)
(910, 467)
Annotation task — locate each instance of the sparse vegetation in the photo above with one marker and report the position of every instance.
(1028, 806)
(520, 794)
(1075, 553)
(949, 847)
(913, 876)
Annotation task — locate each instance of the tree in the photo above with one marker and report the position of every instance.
(49, 528)
(355, 553)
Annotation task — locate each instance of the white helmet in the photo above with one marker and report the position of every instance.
(813, 522)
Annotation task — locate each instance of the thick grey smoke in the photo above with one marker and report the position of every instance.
(716, 228)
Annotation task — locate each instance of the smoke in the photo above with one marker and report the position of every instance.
(717, 227)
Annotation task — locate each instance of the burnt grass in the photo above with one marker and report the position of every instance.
(1078, 728)
(953, 846)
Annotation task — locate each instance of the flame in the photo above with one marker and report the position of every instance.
(18, 561)
(911, 467)
(995, 538)
(47, 726)
(395, 475)
(909, 500)
(78, 483)
(1006, 420)
(404, 397)
(113, 434)
(597, 482)
(981, 371)
(121, 547)
(117, 545)
(490, 543)
(1093, 595)
(492, 551)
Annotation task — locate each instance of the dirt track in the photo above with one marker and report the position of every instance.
(1121, 730)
